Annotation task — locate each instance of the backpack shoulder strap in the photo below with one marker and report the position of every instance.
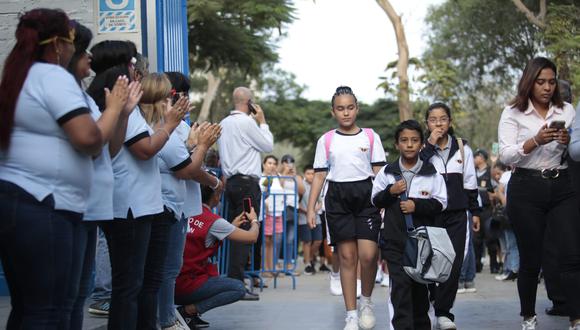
(462, 152)
(327, 141)
(371, 135)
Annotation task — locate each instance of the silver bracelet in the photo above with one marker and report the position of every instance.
(217, 184)
(535, 142)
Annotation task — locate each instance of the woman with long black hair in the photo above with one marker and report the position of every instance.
(533, 138)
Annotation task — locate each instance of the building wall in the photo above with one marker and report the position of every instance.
(85, 11)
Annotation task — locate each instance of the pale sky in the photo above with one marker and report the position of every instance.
(348, 42)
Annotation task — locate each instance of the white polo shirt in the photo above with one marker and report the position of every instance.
(173, 157)
(350, 157)
(41, 159)
(137, 182)
(192, 205)
(100, 203)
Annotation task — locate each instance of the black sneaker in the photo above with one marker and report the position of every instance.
(309, 270)
(100, 308)
(324, 268)
(192, 321)
(199, 323)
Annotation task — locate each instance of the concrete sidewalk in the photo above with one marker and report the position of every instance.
(310, 306)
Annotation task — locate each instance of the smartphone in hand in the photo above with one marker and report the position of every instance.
(247, 205)
(558, 124)
(251, 107)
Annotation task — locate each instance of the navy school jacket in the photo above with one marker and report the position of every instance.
(459, 175)
(427, 190)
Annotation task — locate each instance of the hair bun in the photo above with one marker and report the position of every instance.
(343, 90)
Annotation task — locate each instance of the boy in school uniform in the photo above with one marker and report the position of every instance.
(427, 197)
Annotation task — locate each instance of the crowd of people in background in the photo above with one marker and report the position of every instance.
(109, 178)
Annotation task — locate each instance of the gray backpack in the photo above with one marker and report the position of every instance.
(429, 254)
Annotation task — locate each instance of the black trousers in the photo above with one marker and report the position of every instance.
(239, 187)
(537, 205)
(455, 222)
(410, 299)
(486, 237)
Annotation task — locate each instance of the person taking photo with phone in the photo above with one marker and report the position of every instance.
(244, 137)
(533, 138)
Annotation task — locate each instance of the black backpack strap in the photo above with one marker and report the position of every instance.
(408, 217)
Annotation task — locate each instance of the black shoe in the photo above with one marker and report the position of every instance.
(189, 319)
(511, 276)
(309, 270)
(199, 323)
(324, 268)
(494, 270)
(100, 308)
(556, 311)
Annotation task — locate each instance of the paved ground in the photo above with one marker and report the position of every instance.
(310, 306)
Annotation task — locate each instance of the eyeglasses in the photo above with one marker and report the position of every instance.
(442, 120)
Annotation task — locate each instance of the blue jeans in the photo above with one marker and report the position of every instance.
(85, 247)
(290, 248)
(37, 252)
(468, 267)
(217, 291)
(102, 290)
(172, 267)
(512, 255)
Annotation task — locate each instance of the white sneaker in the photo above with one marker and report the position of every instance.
(444, 323)
(530, 324)
(176, 326)
(379, 276)
(335, 286)
(501, 277)
(470, 287)
(385, 282)
(367, 318)
(358, 288)
(461, 288)
(575, 327)
(351, 323)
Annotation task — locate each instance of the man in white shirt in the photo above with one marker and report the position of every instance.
(245, 135)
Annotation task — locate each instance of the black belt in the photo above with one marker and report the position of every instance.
(547, 173)
(244, 177)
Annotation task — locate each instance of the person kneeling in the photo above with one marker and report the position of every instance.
(427, 197)
(199, 288)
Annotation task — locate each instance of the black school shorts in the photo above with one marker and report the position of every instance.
(349, 212)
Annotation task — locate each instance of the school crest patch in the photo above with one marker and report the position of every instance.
(424, 193)
(364, 149)
(459, 161)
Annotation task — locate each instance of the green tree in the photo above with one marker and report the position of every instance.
(229, 38)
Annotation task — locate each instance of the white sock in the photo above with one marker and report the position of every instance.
(335, 275)
(365, 300)
(352, 314)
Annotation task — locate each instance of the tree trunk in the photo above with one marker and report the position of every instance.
(405, 110)
(536, 20)
(213, 84)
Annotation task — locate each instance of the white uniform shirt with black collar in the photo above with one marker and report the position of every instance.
(516, 127)
(349, 157)
(240, 144)
(421, 187)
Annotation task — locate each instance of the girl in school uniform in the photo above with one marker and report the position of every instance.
(348, 158)
(176, 166)
(427, 197)
(47, 141)
(453, 159)
(533, 138)
(138, 234)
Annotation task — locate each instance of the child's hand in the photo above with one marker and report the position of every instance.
(398, 188)
(407, 206)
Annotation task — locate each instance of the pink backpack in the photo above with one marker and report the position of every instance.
(330, 134)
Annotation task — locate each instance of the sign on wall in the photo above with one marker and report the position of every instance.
(117, 16)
